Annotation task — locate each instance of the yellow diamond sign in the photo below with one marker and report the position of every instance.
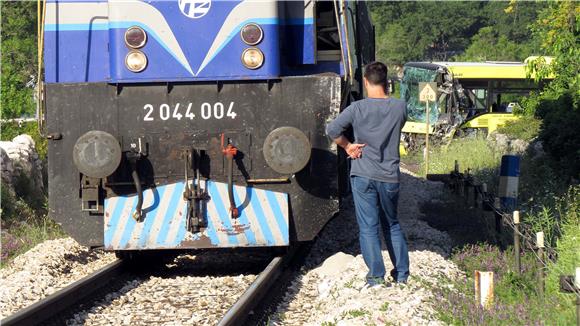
(427, 92)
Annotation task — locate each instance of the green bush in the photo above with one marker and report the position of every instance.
(526, 128)
(560, 133)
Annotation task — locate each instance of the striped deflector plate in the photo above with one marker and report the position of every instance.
(263, 219)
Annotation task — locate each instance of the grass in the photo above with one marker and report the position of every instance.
(350, 283)
(19, 238)
(473, 153)
(24, 221)
(516, 300)
(355, 313)
(549, 203)
(384, 307)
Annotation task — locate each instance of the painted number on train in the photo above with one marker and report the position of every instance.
(206, 111)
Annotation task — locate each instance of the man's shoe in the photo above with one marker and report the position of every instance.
(376, 283)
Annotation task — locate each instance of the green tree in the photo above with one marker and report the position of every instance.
(559, 27)
(19, 62)
(423, 31)
(410, 31)
(489, 45)
(506, 35)
(558, 103)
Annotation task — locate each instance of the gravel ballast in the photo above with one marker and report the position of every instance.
(44, 269)
(330, 289)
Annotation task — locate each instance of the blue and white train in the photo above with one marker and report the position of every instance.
(198, 123)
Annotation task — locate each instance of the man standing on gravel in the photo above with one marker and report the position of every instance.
(374, 175)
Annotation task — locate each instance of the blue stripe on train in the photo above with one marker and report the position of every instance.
(261, 218)
(243, 219)
(223, 213)
(149, 222)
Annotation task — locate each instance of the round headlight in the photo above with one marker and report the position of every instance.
(251, 34)
(287, 150)
(252, 58)
(136, 61)
(97, 154)
(135, 37)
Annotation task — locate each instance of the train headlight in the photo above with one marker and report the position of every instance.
(97, 154)
(136, 61)
(135, 37)
(287, 150)
(252, 58)
(251, 34)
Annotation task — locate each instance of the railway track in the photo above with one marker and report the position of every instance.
(52, 305)
(83, 290)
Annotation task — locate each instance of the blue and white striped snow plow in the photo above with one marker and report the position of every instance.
(262, 221)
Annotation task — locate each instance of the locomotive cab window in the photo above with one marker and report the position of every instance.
(327, 35)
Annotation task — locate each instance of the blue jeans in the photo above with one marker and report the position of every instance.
(376, 206)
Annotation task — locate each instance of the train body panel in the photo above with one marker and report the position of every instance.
(198, 149)
(157, 116)
(84, 41)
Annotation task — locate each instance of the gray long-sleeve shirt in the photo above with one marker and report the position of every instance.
(376, 123)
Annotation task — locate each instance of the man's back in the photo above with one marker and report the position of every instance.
(376, 122)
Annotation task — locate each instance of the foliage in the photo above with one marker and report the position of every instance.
(422, 31)
(558, 27)
(568, 244)
(526, 128)
(18, 61)
(546, 206)
(560, 134)
(506, 35)
(410, 31)
(489, 44)
(558, 103)
(516, 301)
(23, 225)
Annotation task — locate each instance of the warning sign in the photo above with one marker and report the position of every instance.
(427, 92)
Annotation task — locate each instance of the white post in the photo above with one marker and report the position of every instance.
(484, 288)
(427, 139)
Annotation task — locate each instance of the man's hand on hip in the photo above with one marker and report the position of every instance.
(354, 151)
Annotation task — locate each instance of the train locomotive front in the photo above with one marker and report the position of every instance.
(197, 124)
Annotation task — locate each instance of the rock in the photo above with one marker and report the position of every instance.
(504, 143)
(334, 265)
(20, 159)
(519, 146)
(6, 165)
(501, 141)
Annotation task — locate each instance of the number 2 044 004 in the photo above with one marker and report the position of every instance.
(206, 111)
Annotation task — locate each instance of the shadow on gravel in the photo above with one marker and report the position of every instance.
(464, 223)
(84, 257)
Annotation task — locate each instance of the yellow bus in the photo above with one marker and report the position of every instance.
(472, 96)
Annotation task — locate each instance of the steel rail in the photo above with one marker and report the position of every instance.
(52, 305)
(238, 313)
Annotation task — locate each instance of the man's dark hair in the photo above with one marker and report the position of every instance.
(376, 74)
